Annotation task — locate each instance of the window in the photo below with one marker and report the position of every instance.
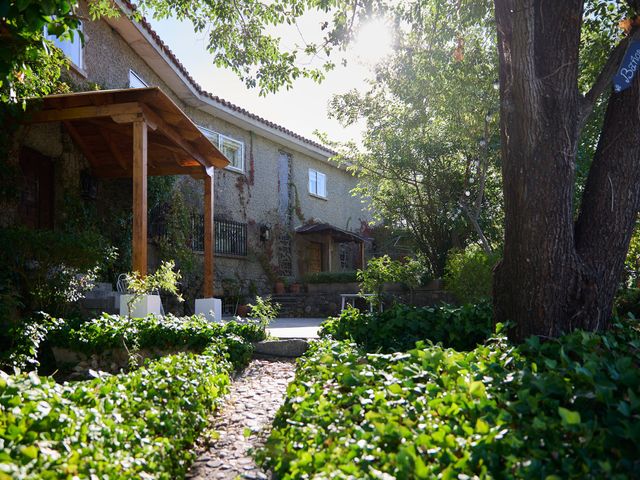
(232, 149)
(234, 152)
(136, 81)
(317, 183)
(71, 48)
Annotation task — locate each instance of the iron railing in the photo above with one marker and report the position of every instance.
(230, 236)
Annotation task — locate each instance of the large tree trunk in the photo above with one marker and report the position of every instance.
(552, 278)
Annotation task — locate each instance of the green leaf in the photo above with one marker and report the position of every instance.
(569, 417)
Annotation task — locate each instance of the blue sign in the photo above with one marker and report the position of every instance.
(628, 67)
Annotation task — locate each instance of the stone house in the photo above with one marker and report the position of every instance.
(281, 208)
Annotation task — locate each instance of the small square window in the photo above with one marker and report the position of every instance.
(234, 151)
(317, 183)
(71, 48)
(230, 148)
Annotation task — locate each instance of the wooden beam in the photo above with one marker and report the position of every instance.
(139, 241)
(79, 141)
(209, 236)
(115, 151)
(170, 133)
(82, 113)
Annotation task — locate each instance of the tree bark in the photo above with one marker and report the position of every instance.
(555, 275)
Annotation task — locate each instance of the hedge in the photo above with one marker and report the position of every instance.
(568, 408)
(112, 331)
(135, 425)
(401, 326)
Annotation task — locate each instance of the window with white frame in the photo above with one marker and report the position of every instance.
(136, 81)
(71, 48)
(232, 149)
(317, 183)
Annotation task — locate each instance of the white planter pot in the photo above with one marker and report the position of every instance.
(211, 308)
(143, 306)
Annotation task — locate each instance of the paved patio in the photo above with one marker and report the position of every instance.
(295, 327)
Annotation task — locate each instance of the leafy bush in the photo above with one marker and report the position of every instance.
(264, 310)
(566, 408)
(49, 270)
(115, 331)
(25, 340)
(163, 279)
(627, 302)
(330, 277)
(135, 425)
(381, 270)
(401, 326)
(469, 273)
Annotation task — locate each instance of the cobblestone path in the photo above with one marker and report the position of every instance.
(251, 405)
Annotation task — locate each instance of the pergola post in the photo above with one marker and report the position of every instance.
(361, 252)
(209, 236)
(139, 241)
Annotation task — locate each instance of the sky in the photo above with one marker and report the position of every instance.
(304, 108)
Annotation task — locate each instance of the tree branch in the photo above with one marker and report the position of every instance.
(605, 77)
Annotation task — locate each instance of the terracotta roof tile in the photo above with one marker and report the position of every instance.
(165, 48)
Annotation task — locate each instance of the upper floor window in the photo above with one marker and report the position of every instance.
(71, 48)
(232, 149)
(317, 183)
(136, 81)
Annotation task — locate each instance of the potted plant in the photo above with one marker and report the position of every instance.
(242, 310)
(144, 291)
(279, 286)
(295, 287)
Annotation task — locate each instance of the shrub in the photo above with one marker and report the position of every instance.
(49, 270)
(381, 270)
(627, 302)
(469, 273)
(401, 326)
(135, 425)
(566, 408)
(24, 342)
(330, 277)
(193, 333)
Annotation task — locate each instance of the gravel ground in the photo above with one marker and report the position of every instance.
(249, 409)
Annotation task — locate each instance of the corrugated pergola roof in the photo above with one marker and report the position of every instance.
(100, 124)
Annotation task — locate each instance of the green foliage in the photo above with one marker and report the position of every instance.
(627, 302)
(164, 279)
(264, 310)
(561, 409)
(21, 352)
(165, 332)
(469, 273)
(330, 277)
(49, 270)
(136, 425)
(175, 243)
(401, 326)
(381, 270)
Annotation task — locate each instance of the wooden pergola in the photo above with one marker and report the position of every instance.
(136, 133)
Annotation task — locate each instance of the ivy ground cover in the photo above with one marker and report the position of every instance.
(562, 409)
(135, 425)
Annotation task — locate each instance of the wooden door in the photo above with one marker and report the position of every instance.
(36, 200)
(314, 254)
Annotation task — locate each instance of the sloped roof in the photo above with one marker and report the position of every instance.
(169, 53)
(335, 232)
(100, 124)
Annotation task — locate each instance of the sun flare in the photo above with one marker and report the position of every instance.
(373, 42)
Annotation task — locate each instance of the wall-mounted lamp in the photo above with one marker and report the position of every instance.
(265, 233)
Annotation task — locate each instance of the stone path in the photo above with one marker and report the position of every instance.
(249, 409)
